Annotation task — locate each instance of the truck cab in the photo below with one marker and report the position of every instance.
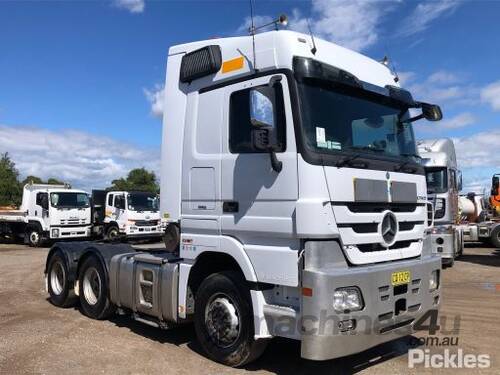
(444, 182)
(295, 201)
(55, 212)
(126, 213)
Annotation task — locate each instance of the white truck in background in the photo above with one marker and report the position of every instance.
(125, 214)
(48, 212)
(444, 182)
(295, 202)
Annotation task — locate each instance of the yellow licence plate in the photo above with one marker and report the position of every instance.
(399, 278)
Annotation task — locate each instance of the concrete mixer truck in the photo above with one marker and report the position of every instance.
(477, 225)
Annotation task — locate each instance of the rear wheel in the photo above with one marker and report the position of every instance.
(93, 290)
(224, 320)
(58, 283)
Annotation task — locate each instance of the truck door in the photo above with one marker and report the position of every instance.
(258, 202)
(42, 208)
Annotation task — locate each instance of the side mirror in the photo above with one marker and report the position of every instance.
(262, 118)
(431, 112)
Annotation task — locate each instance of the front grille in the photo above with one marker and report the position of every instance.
(376, 207)
(366, 248)
(146, 223)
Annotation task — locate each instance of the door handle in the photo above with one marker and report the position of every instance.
(230, 206)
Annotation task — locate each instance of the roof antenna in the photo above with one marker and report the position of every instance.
(313, 49)
(389, 63)
(252, 31)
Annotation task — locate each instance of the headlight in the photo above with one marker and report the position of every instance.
(434, 281)
(347, 299)
(55, 233)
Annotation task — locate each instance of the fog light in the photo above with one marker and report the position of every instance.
(347, 325)
(434, 281)
(55, 233)
(347, 299)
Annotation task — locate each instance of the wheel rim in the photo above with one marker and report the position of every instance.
(57, 278)
(34, 237)
(222, 321)
(91, 286)
(113, 234)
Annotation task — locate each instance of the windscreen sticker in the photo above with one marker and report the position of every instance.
(320, 136)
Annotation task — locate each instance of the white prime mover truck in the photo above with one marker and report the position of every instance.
(125, 214)
(296, 206)
(48, 212)
(444, 182)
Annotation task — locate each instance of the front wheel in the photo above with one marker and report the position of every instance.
(224, 320)
(34, 236)
(112, 234)
(495, 237)
(93, 290)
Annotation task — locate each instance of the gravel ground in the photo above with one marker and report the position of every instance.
(36, 337)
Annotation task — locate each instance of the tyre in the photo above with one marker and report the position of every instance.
(224, 320)
(171, 238)
(112, 233)
(93, 290)
(495, 237)
(34, 236)
(57, 282)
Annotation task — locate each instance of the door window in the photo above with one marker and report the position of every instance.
(253, 107)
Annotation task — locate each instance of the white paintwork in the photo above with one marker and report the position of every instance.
(276, 211)
(126, 218)
(72, 222)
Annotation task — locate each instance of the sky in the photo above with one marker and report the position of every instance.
(81, 82)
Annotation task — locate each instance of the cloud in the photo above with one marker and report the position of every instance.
(85, 160)
(459, 121)
(156, 98)
(353, 24)
(479, 150)
(424, 14)
(133, 6)
(441, 87)
(491, 95)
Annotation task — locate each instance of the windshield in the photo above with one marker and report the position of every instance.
(437, 180)
(346, 119)
(69, 200)
(142, 202)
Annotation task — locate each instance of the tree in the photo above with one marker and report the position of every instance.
(10, 189)
(32, 179)
(54, 181)
(138, 179)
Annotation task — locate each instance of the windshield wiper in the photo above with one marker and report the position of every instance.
(368, 148)
(347, 160)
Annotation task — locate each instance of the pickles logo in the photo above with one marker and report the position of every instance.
(447, 359)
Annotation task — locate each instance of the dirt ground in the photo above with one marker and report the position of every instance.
(36, 337)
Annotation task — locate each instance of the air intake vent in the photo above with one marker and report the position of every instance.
(200, 63)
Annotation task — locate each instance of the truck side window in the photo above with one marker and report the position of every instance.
(120, 202)
(42, 200)
(110, 200)
(240, 126)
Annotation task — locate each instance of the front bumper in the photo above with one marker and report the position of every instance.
(62, 232)
(144, 231)
(389, 312)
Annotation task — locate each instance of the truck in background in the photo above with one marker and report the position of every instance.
(495, 195)
(125, 214)
(48, 212)
(444, 182)
(478, 223)
(283, 219)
